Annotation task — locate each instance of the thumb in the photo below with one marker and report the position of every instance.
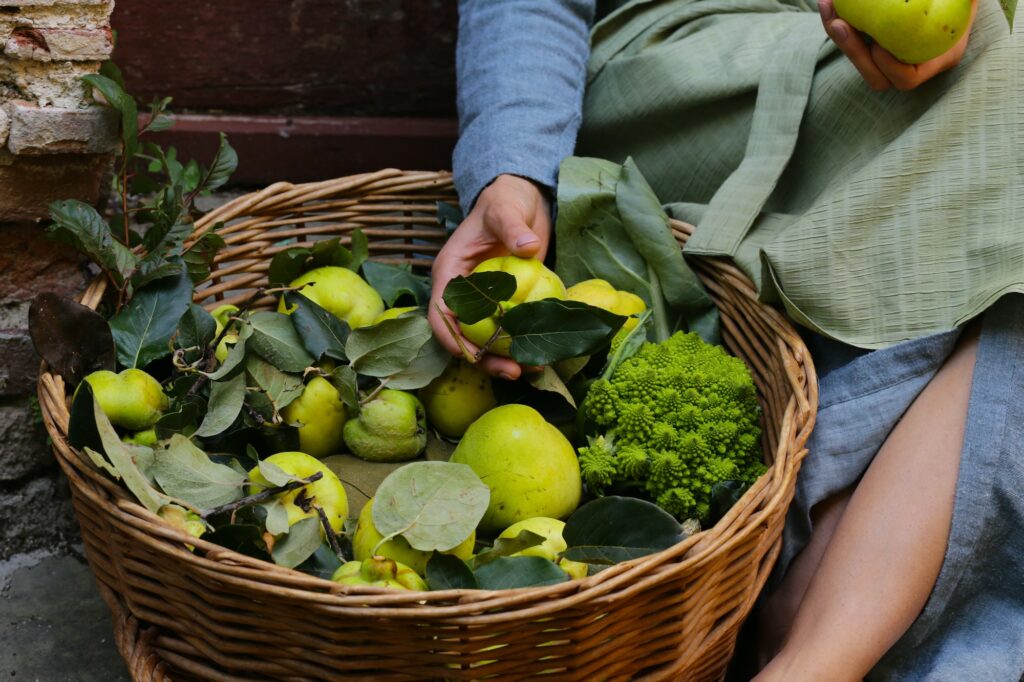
(514, 234)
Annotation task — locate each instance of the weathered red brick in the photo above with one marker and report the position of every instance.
(30, 263)
(49, 44)
(29, 185)
(52, 130)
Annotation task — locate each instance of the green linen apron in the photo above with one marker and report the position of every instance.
(870, 217)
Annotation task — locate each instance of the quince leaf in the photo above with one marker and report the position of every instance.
(507, 547)
(142, 330)
(236, 354)
(428, 364)
(281, 388)
(548, 380)
(393, 282)
(226, 398)
(447, 572)
(449, 216)
(433, 505)
(196, 330)
(186, 472)
(389, 347)
(200, 255)
(303, 538)
(322, 333)
(507, 573)
(544, 332)
(224, 164)
(287, 265)
(81, 226)
(275, 475)
(275, 339)
(277, 517)
(1009, 9)
(612, 529)
(73, 339)
(345, 382)
(476, 296)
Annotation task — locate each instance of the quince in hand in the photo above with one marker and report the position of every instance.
(326, 492)
(367, 537)
(534, 282)
(914, 31)
(457, 398)
(131, 399)
(530, 467)
(379, 572)
(340, 292)
(390, 428)
(320, 416)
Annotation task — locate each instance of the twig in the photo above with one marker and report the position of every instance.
(256, 498)
(332, 537)
(469, 357)
(375, 392)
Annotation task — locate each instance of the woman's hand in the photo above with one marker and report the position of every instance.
(512, 216)
(879, 68)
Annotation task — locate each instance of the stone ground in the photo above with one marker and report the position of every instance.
(53, 624)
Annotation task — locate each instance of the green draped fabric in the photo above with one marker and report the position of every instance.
(871, 217)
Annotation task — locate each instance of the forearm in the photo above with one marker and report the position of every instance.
(521, 69)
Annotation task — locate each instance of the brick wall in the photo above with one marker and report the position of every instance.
(54, 143)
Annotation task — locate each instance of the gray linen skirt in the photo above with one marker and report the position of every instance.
(972, 627)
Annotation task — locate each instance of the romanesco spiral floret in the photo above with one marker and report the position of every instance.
(685, 416)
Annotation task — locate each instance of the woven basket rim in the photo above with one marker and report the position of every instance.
(634, 574)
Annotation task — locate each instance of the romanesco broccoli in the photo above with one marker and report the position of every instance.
(678, 417)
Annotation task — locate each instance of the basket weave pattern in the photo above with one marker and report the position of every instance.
(218, 615)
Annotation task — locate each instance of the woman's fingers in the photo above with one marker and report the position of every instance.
(853, 46)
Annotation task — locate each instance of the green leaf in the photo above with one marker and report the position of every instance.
(433, 505)
(322, 563)
(143, 329)
(153, 268)
(449, 216)
(274, 474)
(186, 472)
(547, 331)
(724, 495)
(224, 164)
(236, 353)
(275, 339)
(1009, 9)
(507, 573)
(636, 337)
(287, 265)
(612, 529)
(389, 347)
(302, 540)
(345, 382)
(392, 282)
(82, 432)
(199, 257)
(125, 458)
(125, 105)
(322, 333)
(244, 538)
(330, 252)
(428, 364)
(196, 330)
(166, 241)
(447, 572)
(360, 248)
(280, 388)
(226, 398)
(548, 380)
(507, 547)
(277, 517)
(477, 296)
(74, 339)
(79, 225)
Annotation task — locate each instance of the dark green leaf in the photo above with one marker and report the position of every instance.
(199, 256)
(322, 563)
(548, 380)
(226, 398)
(360, 248)
(477, 296)
(322, 333)
(345, 381)
(244, 538)
(1009, 9)
(153, 268)
(547, 331)
(111, 70)
(506, 573)
(724, 495)
(125, 105)
(433, 505)
(389, 347)
(196, 331)
(275, 339)
(223, 167)
(508, 546)
(143, 329)
(449, 216)
(447, 572)
(392, 282)
(82, 432)
(612, 529)
(79, 225)
(185, 420)
(287, 265)
(236, 354)
(166, 241)
(280, 388)
(636, 337)
(329, 252)
(73, 339)
(428, 364)
(304, 537)
(187, 473)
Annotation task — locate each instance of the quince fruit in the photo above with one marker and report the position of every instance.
(457, 398)
(553, 545)
(379, 572)
(320, 415)
(534, 282)
(327, 492)
(367, 537)
(131, 399)
(342, 293)
(530, 467)
(393, 313)
(914, 31)
(601, 294)
(390, 428)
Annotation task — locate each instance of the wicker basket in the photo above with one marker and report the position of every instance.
(215, 614)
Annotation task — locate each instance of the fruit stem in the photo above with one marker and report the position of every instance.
(470, 358)
(256, 498)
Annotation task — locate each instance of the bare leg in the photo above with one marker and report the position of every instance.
(882, 562)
